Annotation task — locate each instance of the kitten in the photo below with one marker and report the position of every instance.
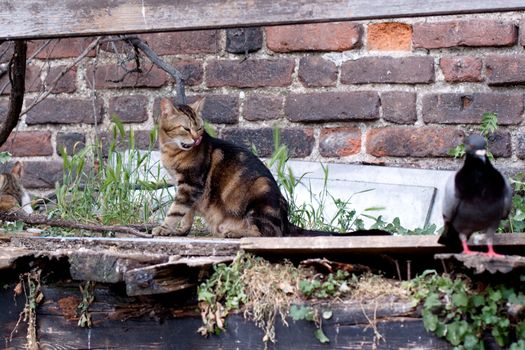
(224, 183)
(12, 193)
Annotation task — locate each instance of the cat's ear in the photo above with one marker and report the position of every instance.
(197, 106)
(166, 107)
(17, 169)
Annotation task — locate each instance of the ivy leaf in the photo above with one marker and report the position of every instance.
(460, 299)
(430, 320)
(471, 342)
(319, 335)
(327, 314)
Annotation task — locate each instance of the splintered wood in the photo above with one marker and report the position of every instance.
(481, 263)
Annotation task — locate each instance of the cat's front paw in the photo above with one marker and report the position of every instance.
(166, 231)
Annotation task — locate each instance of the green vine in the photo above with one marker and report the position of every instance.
(463, 312)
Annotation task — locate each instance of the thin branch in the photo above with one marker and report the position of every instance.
(36, 219)
(17, 76)
(159, 62)
(64, 71)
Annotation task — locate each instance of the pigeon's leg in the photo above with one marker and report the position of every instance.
(466, 249)
(491, 252)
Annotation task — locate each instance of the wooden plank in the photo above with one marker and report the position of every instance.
(368, 244)
(480, 263)
(108, 266)
(41, 18)
(349, 328)
(171, 276)
(9, 255)
(185, 246)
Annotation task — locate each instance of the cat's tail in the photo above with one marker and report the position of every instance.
(296, 231)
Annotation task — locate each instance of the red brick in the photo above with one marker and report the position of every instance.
(461, 69)
(332, 106)
(390, 36)
(300, 141)
(315, 71)
(42, 174)
(28, 144)
(465, 108)
(464, 33)
(32, 83)
(339, 142)
(505, 69)
(263, 107)
(412, 142)
(500, 144)
(191, 71)
(403, 70)
(249, 73)
(66, 84)
(142, 141)
(336, 36)
(4, 107)
(130, 109)
(399, 107)
(186, 42)
(6, 51)
(64, 111)
(113, 76)
(60, 48)
(71, 142)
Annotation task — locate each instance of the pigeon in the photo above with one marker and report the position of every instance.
(476, 198)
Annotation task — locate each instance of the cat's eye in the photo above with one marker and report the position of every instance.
(187, 129)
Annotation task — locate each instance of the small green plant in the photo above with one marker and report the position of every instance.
(489, 124)
(108, 186)
(12, 227)
(311, 314)
(88, 297)
(461, 313)
(332, 285)
(5, 157)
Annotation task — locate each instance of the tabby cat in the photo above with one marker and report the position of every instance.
(224, 183)
(12, 193)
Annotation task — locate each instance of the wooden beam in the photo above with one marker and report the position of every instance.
(369, 244)
(41, 18)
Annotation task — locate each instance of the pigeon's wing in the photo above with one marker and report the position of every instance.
(507, 199)
(449, 236)
(450, 200)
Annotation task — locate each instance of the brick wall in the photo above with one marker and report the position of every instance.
(397, 92)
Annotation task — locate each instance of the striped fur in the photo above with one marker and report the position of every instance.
(12, 193)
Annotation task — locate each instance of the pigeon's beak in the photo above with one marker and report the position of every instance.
(481, 154)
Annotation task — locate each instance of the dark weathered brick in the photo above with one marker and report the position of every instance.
(191, 71)
(114, 76)
(241, 40)
(399, 107)
(412, 142)
(263, 107)
(300, 142)
(60, 48)
(142, 141)
(185, 42)
(465, 108)
(505, 69)
(32, 81)
(336, 36)
(250, 73)
(71, 142)
(66, 84)
(64, 111)
(520, 148)
(129, 108)
(221, 109)
(29, 144)
(315, 71)
(339, 142)
(332, 106)
(461, 69)
(404, 70)
(4, 107)
(478, 32)
(500, 144)
(42, 174)
(390, 36)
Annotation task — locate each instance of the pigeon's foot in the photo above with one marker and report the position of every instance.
(491, 253)
(466, 249)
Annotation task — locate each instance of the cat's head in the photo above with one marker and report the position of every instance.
(12, 193)
(182, 126)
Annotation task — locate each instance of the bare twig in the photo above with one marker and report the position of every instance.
(155, 59)
(36, 219)
(64, 71)
(17, 76)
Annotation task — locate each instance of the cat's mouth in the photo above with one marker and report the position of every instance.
(188, 146)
